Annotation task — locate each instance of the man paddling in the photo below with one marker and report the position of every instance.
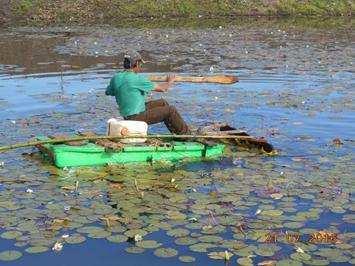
(131, 89)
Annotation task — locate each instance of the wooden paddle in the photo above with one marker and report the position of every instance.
(221, 79)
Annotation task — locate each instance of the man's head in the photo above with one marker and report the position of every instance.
(132, 60)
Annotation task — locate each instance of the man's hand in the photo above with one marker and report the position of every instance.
(163, 87)
(171, 78)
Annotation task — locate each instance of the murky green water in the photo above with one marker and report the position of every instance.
(296, 89)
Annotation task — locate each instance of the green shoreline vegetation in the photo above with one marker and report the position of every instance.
(43, 12)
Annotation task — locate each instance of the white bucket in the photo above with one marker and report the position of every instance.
(121, 128)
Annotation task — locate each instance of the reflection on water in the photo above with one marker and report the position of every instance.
(296, 89)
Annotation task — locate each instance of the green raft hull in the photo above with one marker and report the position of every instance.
(91, 154)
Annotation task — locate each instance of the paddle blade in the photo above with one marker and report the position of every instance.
(221, 79)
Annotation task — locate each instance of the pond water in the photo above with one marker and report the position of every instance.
(296, 89)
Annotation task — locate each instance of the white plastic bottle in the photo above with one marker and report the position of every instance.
(120, 128)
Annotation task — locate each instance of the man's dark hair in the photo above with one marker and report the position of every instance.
(131, 59)
(127, 63)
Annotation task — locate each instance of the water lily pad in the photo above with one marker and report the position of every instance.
(116, 229)
(319, 262)
(36, 249)
(75, 239)
(176, 215)
(306, 196)
(21, 244)
(194, 226)
(185, 241)
(222, 255)
(293, 225)
(148, 244)
(340, 259)
(246, 251)
(257, 234)
(307, 231)
(178, 232)
(288, 262)
(134, 250)
(10, 255)
(265, 251)
(267, 263)
(210, 239)
(187, 259)
(300, 256)
(225, 220)
(11, 234)
(89, 229)
(344, 246)
(337, 209)
(232, 244)
(117, 238)
(245, 261)
(289, 209)
(151, 228)
(194, 234)
(41, 241)
(163, 225)
(201, 247)
(134, 232)
(276, 196)
(165, 252)
(306, 247)
(272, 212)
(330, 253)
(212, 230)
(99, 234)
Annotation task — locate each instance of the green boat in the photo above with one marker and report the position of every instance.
(91, 154)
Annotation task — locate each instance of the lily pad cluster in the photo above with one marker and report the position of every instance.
(222, 213)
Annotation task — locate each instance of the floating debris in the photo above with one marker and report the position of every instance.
(337, 142)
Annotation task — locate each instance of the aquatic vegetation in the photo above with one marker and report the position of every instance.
(40, 12)
(292, 209)
(147, 200)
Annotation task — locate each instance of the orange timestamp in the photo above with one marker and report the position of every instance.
(319, 237)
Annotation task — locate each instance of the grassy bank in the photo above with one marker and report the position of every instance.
(111, 11)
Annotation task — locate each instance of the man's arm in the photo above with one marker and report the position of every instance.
(109, 89)
(163, 87)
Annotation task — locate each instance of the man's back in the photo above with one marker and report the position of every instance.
(130, 90)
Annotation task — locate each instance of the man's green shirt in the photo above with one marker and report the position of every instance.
(130, 91)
